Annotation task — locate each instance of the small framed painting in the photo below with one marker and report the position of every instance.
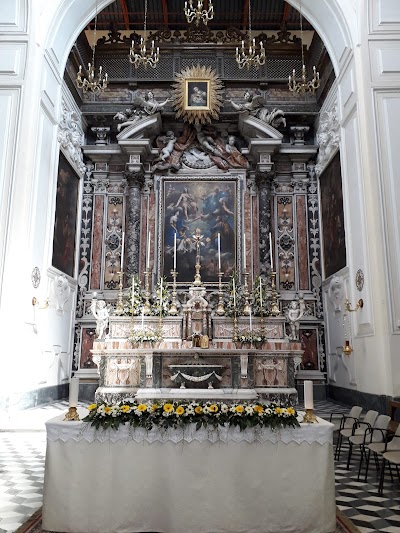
(197, 94)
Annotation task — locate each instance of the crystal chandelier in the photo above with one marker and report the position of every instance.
(198, 13)
(147, 59)
(91, 83)
(250, 58)
(303, 86)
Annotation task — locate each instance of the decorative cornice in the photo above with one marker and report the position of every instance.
(70, 136)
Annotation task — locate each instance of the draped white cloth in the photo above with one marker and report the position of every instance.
(186, 482)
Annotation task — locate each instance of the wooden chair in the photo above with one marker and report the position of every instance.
(346, 423)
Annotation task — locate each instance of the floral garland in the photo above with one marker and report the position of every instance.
(175, 414)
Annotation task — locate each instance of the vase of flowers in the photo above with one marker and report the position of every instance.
(145, 338)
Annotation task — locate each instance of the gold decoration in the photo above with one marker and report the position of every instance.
(197, 95)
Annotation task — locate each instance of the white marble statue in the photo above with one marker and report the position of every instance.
(101, 313)
(255, 104)
(141, 107)
(294, 314)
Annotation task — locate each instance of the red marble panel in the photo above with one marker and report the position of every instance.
(97, 242)
(86, 361)
(309, 340)
(302, 241)
(286, 265)
(112, 266)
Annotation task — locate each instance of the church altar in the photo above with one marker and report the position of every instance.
(176, 481)
(225, 370)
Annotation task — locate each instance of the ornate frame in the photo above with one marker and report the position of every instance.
(201, 85)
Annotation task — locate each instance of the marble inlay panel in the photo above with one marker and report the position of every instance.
(309, 339)
(122, 371)
(247, 231)
(97, 242)
(302, 252)
(270, 372)
(226, 371)
(86, 360)
(144, 233)
(255, 231)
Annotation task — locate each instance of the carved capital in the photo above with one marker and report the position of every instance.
(135, 179)
(264, 179)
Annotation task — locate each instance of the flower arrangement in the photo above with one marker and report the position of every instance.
(134, 303)
(251, 337)
(160, 298)
(175, 414)
(139, 336)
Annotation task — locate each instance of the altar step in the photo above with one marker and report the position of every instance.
(271, 394)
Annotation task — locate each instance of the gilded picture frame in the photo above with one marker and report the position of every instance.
(197, 94)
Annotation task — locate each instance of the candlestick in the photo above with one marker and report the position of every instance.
(161, 294)
(219, 252)
(250, 322)
(275, 311)
(234, 293)
(122, 250)
(148, 252)
(142, 318)
(173, 310)
(220, 307)
(133, 292)
(247, 306)
(244, 251)
(261, 300)
(147, 306)
(270, 251)
(175, 250)
(120, 302)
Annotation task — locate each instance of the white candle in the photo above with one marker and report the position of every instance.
(234, 293)
(261, 302)
(122, 251)
(219, 252)
(73, 392)
(142, 318)
(270, 251)
(161, 289)
(308, 395)
(244, 251)
(133, 291)
(175, 250)
(148, 252)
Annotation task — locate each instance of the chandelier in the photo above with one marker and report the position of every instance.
(147, 59)
(91, 83)
(250, 58)
(303, 86)
(198, 13)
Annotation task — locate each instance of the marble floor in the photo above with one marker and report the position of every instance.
(22, 451)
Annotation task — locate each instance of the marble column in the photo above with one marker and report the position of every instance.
(264, 182)
(132, 233)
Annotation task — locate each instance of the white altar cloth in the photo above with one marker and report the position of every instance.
(212, 481)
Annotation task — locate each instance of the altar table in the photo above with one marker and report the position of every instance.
(210, 481)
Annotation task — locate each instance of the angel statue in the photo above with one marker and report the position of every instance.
(255, 104)
(141, 107)
(101, 313)
(294, 314)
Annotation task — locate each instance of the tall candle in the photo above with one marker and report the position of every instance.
(234, 293)
(219, 252)
(73, 392)
(148, 252)
(261, 302)
(175, 250)
(133, 291)
(122, 251)
(270, 251)
(161, 289)
(308, 395)
(244, 251)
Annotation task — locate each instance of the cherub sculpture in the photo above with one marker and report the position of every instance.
(294, 314)
(141, 107)
(255, 104)
(101, 313)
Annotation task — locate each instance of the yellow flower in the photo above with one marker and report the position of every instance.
(291, 411)
(142, 407)
(213, 408)
(258, 409)
(107, 410)
(92, 406)
(239, 408)
(179, 410)
(154, 407)
(198, 409)
(125, 408)
(168, 407)
(278, 410)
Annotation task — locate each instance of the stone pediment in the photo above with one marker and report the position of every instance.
(146, 127)
(250, 126)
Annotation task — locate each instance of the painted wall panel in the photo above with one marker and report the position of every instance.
(13, 16)
(12, 61)
(384, 16)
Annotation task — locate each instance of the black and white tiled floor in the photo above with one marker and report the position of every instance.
(22, 451)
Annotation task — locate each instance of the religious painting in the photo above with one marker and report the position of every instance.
(66, 218)
(196, 213)
(333, 233)
(197, 94)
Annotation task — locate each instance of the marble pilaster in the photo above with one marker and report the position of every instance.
(263, 181)
(132, 234)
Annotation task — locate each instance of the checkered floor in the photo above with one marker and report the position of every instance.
(22, 467)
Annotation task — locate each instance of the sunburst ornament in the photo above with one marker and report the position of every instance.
(197, 96)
